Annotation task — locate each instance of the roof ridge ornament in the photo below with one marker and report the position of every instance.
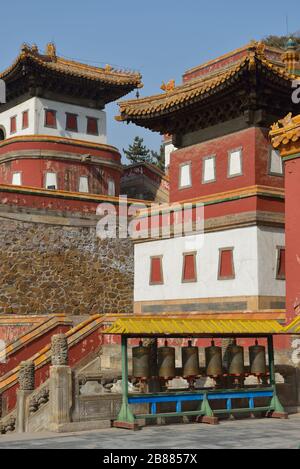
(51, 50)
(260, 49)
(169, 86)
(108, 68)
(291, 56)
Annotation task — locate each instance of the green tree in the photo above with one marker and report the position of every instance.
(137, 152)
(280, 41)
(159, 158)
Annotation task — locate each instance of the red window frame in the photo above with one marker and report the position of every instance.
(71, 122)
(280, 268)
(25, 119)
(226, 264)
(189, 267)
(50, 118)
(92, 127)
(13, 124)
(156, 270)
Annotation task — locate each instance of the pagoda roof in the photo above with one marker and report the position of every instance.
(32, 62)
(214, 77)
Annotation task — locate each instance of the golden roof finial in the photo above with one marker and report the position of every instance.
(260, 48)
(108, 68)
(34, 49)
(291, 57)
(168, 86)
(51, 50)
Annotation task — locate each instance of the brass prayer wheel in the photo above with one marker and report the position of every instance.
(235, 359)
(166, 361)
(190, 360)
(141, 361)
(257, 357)
(213, 360)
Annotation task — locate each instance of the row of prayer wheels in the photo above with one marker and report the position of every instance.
(234, 366)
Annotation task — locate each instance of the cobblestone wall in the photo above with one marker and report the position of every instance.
(47, 268)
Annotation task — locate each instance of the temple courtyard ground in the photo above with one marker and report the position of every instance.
(246, 433)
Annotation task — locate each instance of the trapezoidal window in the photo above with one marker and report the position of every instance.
(189, 271)
(111, 187)
(25, 120)
(71, 122)
(16, 179)
(280, 268)
(92, 126)
(50, 118)
(226, 264)
(156, 270)
(51, 181)
(185, 177)
(208, 169)
(275, 163)
(83, 184)
(13, 124)
(235, 167)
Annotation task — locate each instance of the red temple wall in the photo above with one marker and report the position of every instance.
(68, 173)
(255, 161)
(292, 233)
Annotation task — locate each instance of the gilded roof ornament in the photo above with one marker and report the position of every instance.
(260, 49)
(34, 49)
(275, 126)
(51, 50)
(108, 68)
(168, 86)
(287, 120)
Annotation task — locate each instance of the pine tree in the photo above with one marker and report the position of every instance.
(159, 158)
(137, 152)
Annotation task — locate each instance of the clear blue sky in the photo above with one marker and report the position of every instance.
(160, 38)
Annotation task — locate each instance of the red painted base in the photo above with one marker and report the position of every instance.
(126, 425)
(209, 420)
(278, 415)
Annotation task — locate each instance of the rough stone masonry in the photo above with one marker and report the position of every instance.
(50, 268)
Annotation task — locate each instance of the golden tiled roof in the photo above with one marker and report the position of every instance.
(50, 61)
(140, 325)
(201, 87)
(285, 131)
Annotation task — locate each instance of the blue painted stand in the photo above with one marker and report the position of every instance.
(204, 397)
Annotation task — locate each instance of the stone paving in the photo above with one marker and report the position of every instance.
(242, 434)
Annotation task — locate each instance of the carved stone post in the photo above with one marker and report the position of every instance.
(26, 382)
(60, 396)
(59, 350)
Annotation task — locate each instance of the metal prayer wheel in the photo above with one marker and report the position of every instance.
(235, 359)
(166, 361)
(257, 357)
(190, 360)
(141, 361)
(213, 360)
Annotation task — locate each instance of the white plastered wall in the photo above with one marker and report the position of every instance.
(254, 272)
(36, 107)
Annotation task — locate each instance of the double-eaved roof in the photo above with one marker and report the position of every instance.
(31, 62)
(204, 82)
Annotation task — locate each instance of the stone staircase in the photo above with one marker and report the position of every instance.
(33, 340)
(83, 340)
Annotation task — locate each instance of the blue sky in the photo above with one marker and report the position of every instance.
(160, 38)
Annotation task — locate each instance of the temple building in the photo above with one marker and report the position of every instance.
(219, 119)
(53, 124)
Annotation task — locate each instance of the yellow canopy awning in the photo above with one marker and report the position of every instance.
(164, 326)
